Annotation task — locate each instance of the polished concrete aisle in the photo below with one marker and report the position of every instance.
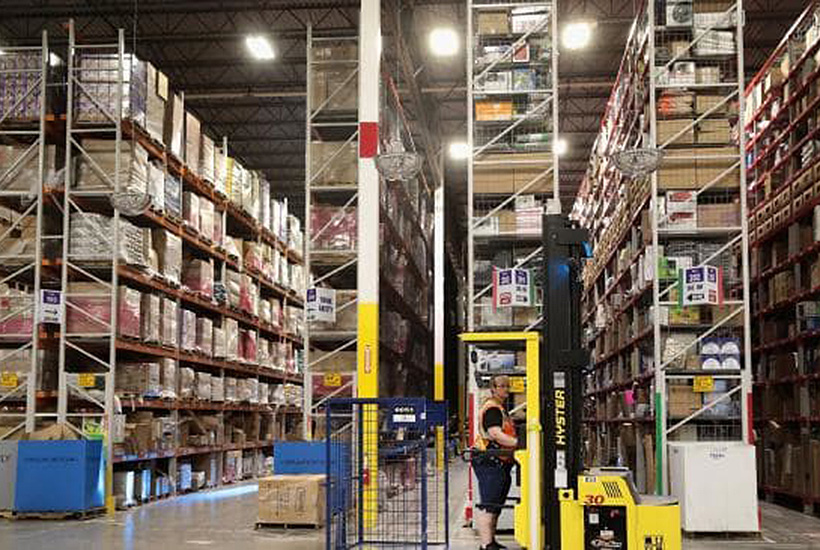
(224, 519)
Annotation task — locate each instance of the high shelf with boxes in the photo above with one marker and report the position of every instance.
(666, 299)
(512, 167)
(27, 150)
(781, 114)
(181, 282)
(332, 254)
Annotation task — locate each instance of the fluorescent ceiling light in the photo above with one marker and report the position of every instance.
(577, 35)
(459, 150)
(260, 47)
(561, 147)
(54, 60)
(444, 42)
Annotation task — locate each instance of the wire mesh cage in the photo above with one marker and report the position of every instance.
(387, 473)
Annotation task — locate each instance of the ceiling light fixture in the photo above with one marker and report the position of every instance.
(459, 150)
(260, 47)
(577, 35)
(444, 42)
(561, 147)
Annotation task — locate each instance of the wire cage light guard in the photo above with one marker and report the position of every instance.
(387, 483)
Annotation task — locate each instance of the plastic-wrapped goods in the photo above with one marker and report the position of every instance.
(206, 159)
(243, 394)
(203, 386)
(275, 312)
(252, 255)
(98, 170)
(231, 339)
(264, 310)
(198, 276)
(193, 140)
(190, 210)
(186, 383)
(21, 75)
(235, 180)
(220, 172)
(340, 227)
(294, 319)
(253, 390)
(99, 75)
(168, 378)
(21, 170)
(249, 298)
(230, 389)
(233, 284)
(128, 312)
(155, 96)
(295, 239)
(334, 162)
(91, 237)
(187, 330)
(263, 352)
(173, 127)
(150, 315)
(247, 345)
(293, 395)
(169, 254)
(138, 379)
(276, 218)
(204, 336)
(173, 196)
(276, 394)
(217, 389)
(297, 278)
(250, 194)
(17, 314)
(156, 186)
(168, 323)
(264, 204)
(219, 233)
(219, 343)
(262, 393)
(206, 219)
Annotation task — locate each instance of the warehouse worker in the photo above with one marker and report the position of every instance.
(493, 469)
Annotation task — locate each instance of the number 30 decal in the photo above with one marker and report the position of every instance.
(594, 499)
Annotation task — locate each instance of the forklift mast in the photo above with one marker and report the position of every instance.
(563, 358)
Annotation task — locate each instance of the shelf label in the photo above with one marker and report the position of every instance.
(333, 380)
(512, 287)
(86, 380)
(704, 384)
(9, 380)
(321, 304)
(50, 309)
(518, 385)
(701, 286)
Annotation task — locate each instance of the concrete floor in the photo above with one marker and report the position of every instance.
(225, 519)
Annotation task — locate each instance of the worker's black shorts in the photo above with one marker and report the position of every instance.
(494, 480)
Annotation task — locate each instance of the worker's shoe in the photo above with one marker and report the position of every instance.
(495, 545)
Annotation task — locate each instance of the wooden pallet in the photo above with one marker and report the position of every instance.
(270, 525)
(54, 516)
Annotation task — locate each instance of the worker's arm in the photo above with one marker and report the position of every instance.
(498, 435)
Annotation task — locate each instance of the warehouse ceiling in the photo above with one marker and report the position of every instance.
(260, 106)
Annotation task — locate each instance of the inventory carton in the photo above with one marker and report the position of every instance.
(173, 125)
(292, 499)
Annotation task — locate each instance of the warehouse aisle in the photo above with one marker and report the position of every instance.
(225, 518)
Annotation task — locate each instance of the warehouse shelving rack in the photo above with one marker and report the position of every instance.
(780, 125)
(85, 400)
(679, 89)
(512, 168)
(24, 271)
(332, 268)
(334, 123)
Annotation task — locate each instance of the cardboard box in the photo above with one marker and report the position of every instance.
(668, 129)
(173, 125)
(333, 89)
(683, 401)
(292, 499)
(714, 131)
(493, 110)
(493, 175)
(193, 141)
(719, 215)
(493, 22)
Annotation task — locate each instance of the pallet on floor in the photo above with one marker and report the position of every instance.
(54, 515)
(270, 525)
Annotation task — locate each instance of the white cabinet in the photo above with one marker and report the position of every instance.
(716, 485)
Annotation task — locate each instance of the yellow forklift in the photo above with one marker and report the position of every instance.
(562, 505)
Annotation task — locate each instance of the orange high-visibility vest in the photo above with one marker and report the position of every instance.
(483, 441)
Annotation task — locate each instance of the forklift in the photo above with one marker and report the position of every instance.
(562, 505)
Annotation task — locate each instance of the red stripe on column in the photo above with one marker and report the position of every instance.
(368, 139)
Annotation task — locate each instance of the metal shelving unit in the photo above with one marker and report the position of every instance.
(23, 183)
(671, 360)
(512, 170)
(781, 155)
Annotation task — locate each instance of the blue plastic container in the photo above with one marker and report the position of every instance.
(59, 476)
